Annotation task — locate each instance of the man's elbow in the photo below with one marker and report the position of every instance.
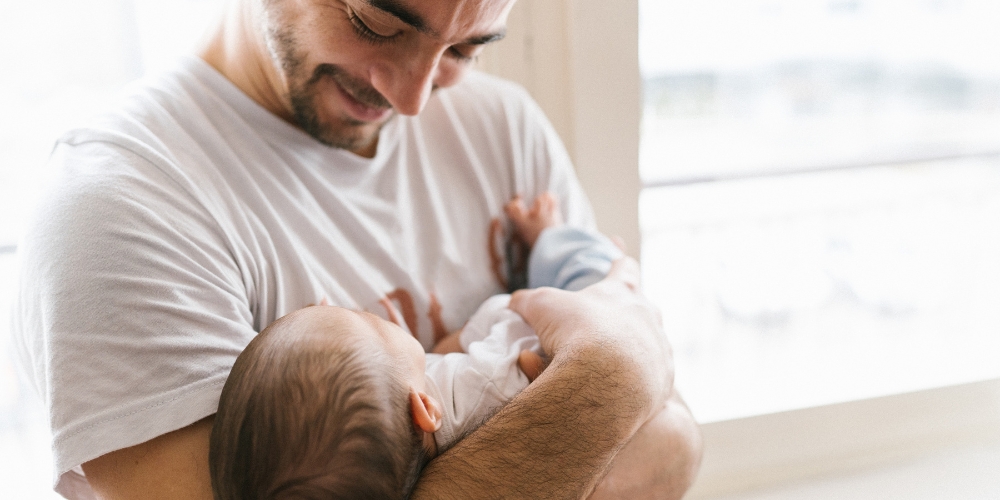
(660, 462)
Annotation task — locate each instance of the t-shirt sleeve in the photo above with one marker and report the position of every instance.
(131, 309)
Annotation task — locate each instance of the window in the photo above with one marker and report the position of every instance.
(818, 212)
(821, 212)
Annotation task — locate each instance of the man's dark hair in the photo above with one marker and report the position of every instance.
(307, 419)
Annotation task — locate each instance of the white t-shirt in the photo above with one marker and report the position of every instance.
(190, 218)
(473, 384)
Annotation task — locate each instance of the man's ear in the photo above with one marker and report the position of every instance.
(426, 411)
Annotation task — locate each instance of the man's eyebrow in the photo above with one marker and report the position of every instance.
(396, 9)
(401, 12)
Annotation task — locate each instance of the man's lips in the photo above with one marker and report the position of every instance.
(359, 111)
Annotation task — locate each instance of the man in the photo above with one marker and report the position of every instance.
(305, 157)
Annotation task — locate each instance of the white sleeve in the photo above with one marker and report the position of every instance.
(131, 308)
(474, 385)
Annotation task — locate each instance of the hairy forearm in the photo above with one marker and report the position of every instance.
(555, 440)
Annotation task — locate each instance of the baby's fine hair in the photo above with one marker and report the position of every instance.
(313, 420)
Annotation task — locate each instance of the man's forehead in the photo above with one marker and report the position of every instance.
(471, 21)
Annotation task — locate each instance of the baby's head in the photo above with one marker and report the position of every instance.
(324, 403)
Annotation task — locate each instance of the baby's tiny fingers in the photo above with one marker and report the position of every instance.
(531, 364)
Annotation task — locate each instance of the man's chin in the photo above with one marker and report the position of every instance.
(331, 126)
(349, 136)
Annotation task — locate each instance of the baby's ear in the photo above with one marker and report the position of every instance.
(426, 411)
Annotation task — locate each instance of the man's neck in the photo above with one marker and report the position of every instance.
(238, 51)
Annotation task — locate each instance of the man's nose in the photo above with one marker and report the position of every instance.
(407, 86)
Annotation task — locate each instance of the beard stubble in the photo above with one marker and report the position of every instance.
(305, 95)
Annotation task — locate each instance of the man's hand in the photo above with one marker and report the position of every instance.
(531, 364)
(610, 374)
(612, 314)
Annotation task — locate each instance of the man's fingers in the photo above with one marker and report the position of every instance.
(539, 306)
(626, 270)
(520, 302)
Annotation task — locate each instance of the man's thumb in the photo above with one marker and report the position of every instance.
(520, 302)
(626, 269)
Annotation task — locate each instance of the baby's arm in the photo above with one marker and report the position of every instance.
(477, 328)
(543, 214)
(530, 363)
(451, 343)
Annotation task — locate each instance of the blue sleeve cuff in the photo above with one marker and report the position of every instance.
(570, 258)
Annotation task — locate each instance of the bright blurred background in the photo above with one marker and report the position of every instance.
(821, 212)
(62, 60)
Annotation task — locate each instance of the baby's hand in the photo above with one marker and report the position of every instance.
(544, 213)
(531, 364)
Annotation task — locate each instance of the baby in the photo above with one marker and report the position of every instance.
(328, 402)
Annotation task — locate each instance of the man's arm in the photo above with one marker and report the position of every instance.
(609, 376)
(553, 441)
(171, 466)
(611, 372)
(660, 462)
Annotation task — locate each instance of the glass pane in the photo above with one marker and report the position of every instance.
(819, 288)
(748, 86)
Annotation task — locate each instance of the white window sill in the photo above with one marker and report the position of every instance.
(755, 453)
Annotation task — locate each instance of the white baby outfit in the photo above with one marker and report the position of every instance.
(473, 384)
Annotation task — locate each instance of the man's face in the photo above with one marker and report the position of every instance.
(350, 65)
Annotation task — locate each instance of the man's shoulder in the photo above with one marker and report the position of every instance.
(162, 112)
(181, 127)
(140, 152)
